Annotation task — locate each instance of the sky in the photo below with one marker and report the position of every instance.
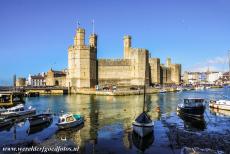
(35, 34)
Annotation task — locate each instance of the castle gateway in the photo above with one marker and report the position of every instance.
(135, 69)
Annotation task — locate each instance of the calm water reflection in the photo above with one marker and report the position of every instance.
(109, 119)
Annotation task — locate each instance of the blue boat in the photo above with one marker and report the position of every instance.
(70, 121)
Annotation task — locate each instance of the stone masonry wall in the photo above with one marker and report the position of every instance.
(114, 72)
(154, 70)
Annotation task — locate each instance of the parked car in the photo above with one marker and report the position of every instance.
(105, 88)
(133, 88)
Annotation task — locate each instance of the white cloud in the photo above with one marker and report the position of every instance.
(217, 60)
(213, 64)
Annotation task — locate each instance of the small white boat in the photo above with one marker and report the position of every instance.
(179, 89)
(162, 91)
(220, 104)
(199, 88)
(18, 110)
(219, 112)
(69, 121)
(143, 125)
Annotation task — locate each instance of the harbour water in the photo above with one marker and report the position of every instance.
(108, 123)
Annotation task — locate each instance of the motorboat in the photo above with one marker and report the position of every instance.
(179, 89)
(143, 125)
(9, 99)
(199, 87)
(193, 107)
(70, 120)
(162, 91)
(220, 104)
(40, 119)
(18, 110)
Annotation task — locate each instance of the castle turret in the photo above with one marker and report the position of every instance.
(79, 39)
(168, 62)
(93, 40)
(127, 46)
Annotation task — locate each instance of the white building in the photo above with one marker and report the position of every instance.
(201, 77)
(36, 80)
(213, 76)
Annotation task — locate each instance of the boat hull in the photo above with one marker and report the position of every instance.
(40, 119)
(143, 129)
(26, 112)
(192, 111)
(70, 124)
(219, 106)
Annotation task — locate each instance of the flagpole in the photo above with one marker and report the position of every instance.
(229, 63)
(78, 24)
(93, 25)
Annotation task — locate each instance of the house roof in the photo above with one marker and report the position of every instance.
(37, 77)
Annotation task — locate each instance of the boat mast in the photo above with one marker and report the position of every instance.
(144, 92)
(229, 63)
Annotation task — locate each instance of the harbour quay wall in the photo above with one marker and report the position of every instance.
(47, 92)
(121, 92)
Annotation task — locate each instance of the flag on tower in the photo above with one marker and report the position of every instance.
(78, 24)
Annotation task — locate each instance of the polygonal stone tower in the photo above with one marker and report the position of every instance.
(93, 59)
(82, 61)
(127, 46)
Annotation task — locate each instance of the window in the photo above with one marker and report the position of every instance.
(69, 119)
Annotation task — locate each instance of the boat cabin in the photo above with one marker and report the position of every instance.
(16, 108)
(193, 102)
(8, 99)
(66, 119)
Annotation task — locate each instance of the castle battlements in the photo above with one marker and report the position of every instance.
(136, 68)
(114, 62)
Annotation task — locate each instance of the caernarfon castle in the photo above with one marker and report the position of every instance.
(136, 68)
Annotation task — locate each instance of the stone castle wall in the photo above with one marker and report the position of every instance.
(114, 72)
(140, 71)
(136, 68)
(176, 73)
(154, 70)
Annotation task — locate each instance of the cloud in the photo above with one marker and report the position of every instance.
(213, 64)
(217, 60)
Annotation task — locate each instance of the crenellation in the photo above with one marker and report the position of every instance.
(114, 62)
(136, 68)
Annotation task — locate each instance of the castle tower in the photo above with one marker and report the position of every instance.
(82, 62)
(127, 46)
(168, 62)
(93, 40)
(93, 59)
(79, 39)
